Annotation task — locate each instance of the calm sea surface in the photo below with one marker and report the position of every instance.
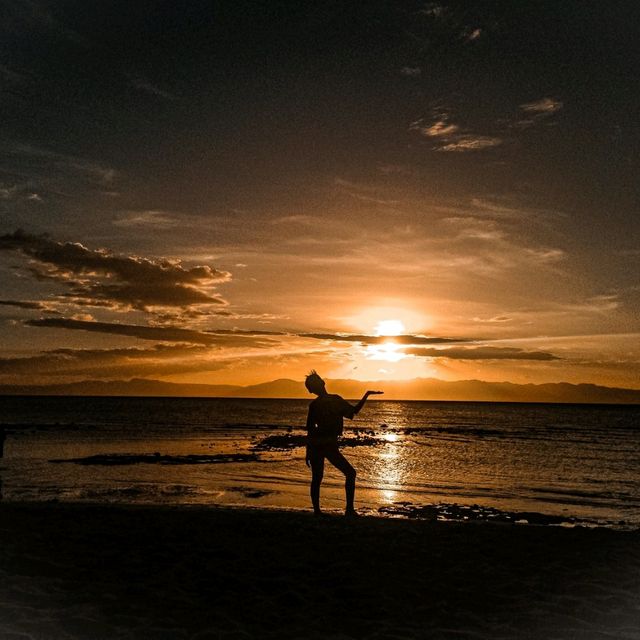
(574, 461)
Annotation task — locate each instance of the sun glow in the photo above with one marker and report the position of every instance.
(389, 351)
(381, 355)
(390, 328)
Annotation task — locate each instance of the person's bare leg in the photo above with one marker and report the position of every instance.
(317, 472)
(340, 462)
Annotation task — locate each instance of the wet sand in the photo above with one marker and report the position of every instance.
(88, 572)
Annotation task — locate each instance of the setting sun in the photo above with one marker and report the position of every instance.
(389, 328)
(388, 350)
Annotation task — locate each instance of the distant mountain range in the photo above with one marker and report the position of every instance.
(418, 389)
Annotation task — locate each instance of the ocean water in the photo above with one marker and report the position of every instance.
(569, 462)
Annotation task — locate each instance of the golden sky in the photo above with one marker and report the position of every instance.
(232, 194)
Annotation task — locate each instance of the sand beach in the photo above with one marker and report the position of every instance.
(96, 571)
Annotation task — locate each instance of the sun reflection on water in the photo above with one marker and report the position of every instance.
(388, 495)
(389, 467)
(389, 470)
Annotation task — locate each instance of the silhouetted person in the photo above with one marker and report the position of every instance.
(324, 426)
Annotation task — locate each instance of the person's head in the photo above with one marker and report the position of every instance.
(314, 383)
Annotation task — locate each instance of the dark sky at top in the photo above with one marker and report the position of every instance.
(194, 100)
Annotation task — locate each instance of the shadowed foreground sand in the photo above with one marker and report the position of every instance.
(72, 571)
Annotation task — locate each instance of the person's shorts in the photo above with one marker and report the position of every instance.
(320, 450)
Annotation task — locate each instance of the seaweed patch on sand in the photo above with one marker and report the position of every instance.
(257, 425)
(468, 513)
(282, 442)
(114, 459)
(250, 492)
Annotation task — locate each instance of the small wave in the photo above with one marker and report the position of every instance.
(258, 425)
(282, 442)
(115, 459)
(41, 426)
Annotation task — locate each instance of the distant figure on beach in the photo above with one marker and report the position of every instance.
(324, 426)
(3, 435)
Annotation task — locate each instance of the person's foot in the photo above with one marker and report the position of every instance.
(318, 512)
(351, 513)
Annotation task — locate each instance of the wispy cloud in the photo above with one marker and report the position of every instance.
(545, 254)
(144, 85)
(493, 319)
(7, 193)
(20, 191)
(470, 35)
(164, 334)
(298, 219)
(448, 136)
(40, 163)
(434, 10)
(602, 303)
(481, 353)
(439, 129)
(543, 106)
(98, 277)
(368, 193)
(536, 111)
(471, 142)
(505, 209)
(151, 218)
(389, 169)
(411, 72)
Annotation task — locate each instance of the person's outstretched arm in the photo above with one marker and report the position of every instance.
(360, 404)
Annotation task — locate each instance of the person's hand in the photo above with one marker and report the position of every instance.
(374, 393)
(307, 458)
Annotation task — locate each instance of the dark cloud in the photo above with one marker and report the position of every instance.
(102, 278)
(105, 363)
(58, 360)
(248, 332)
(231, 337)
(24, 304)
(365, 339)
(166, 334)
(481, 353)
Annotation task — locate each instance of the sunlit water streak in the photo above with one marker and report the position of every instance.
(570, 460)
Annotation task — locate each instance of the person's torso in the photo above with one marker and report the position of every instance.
(328, 414)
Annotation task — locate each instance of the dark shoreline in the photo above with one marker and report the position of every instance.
(90, 571)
